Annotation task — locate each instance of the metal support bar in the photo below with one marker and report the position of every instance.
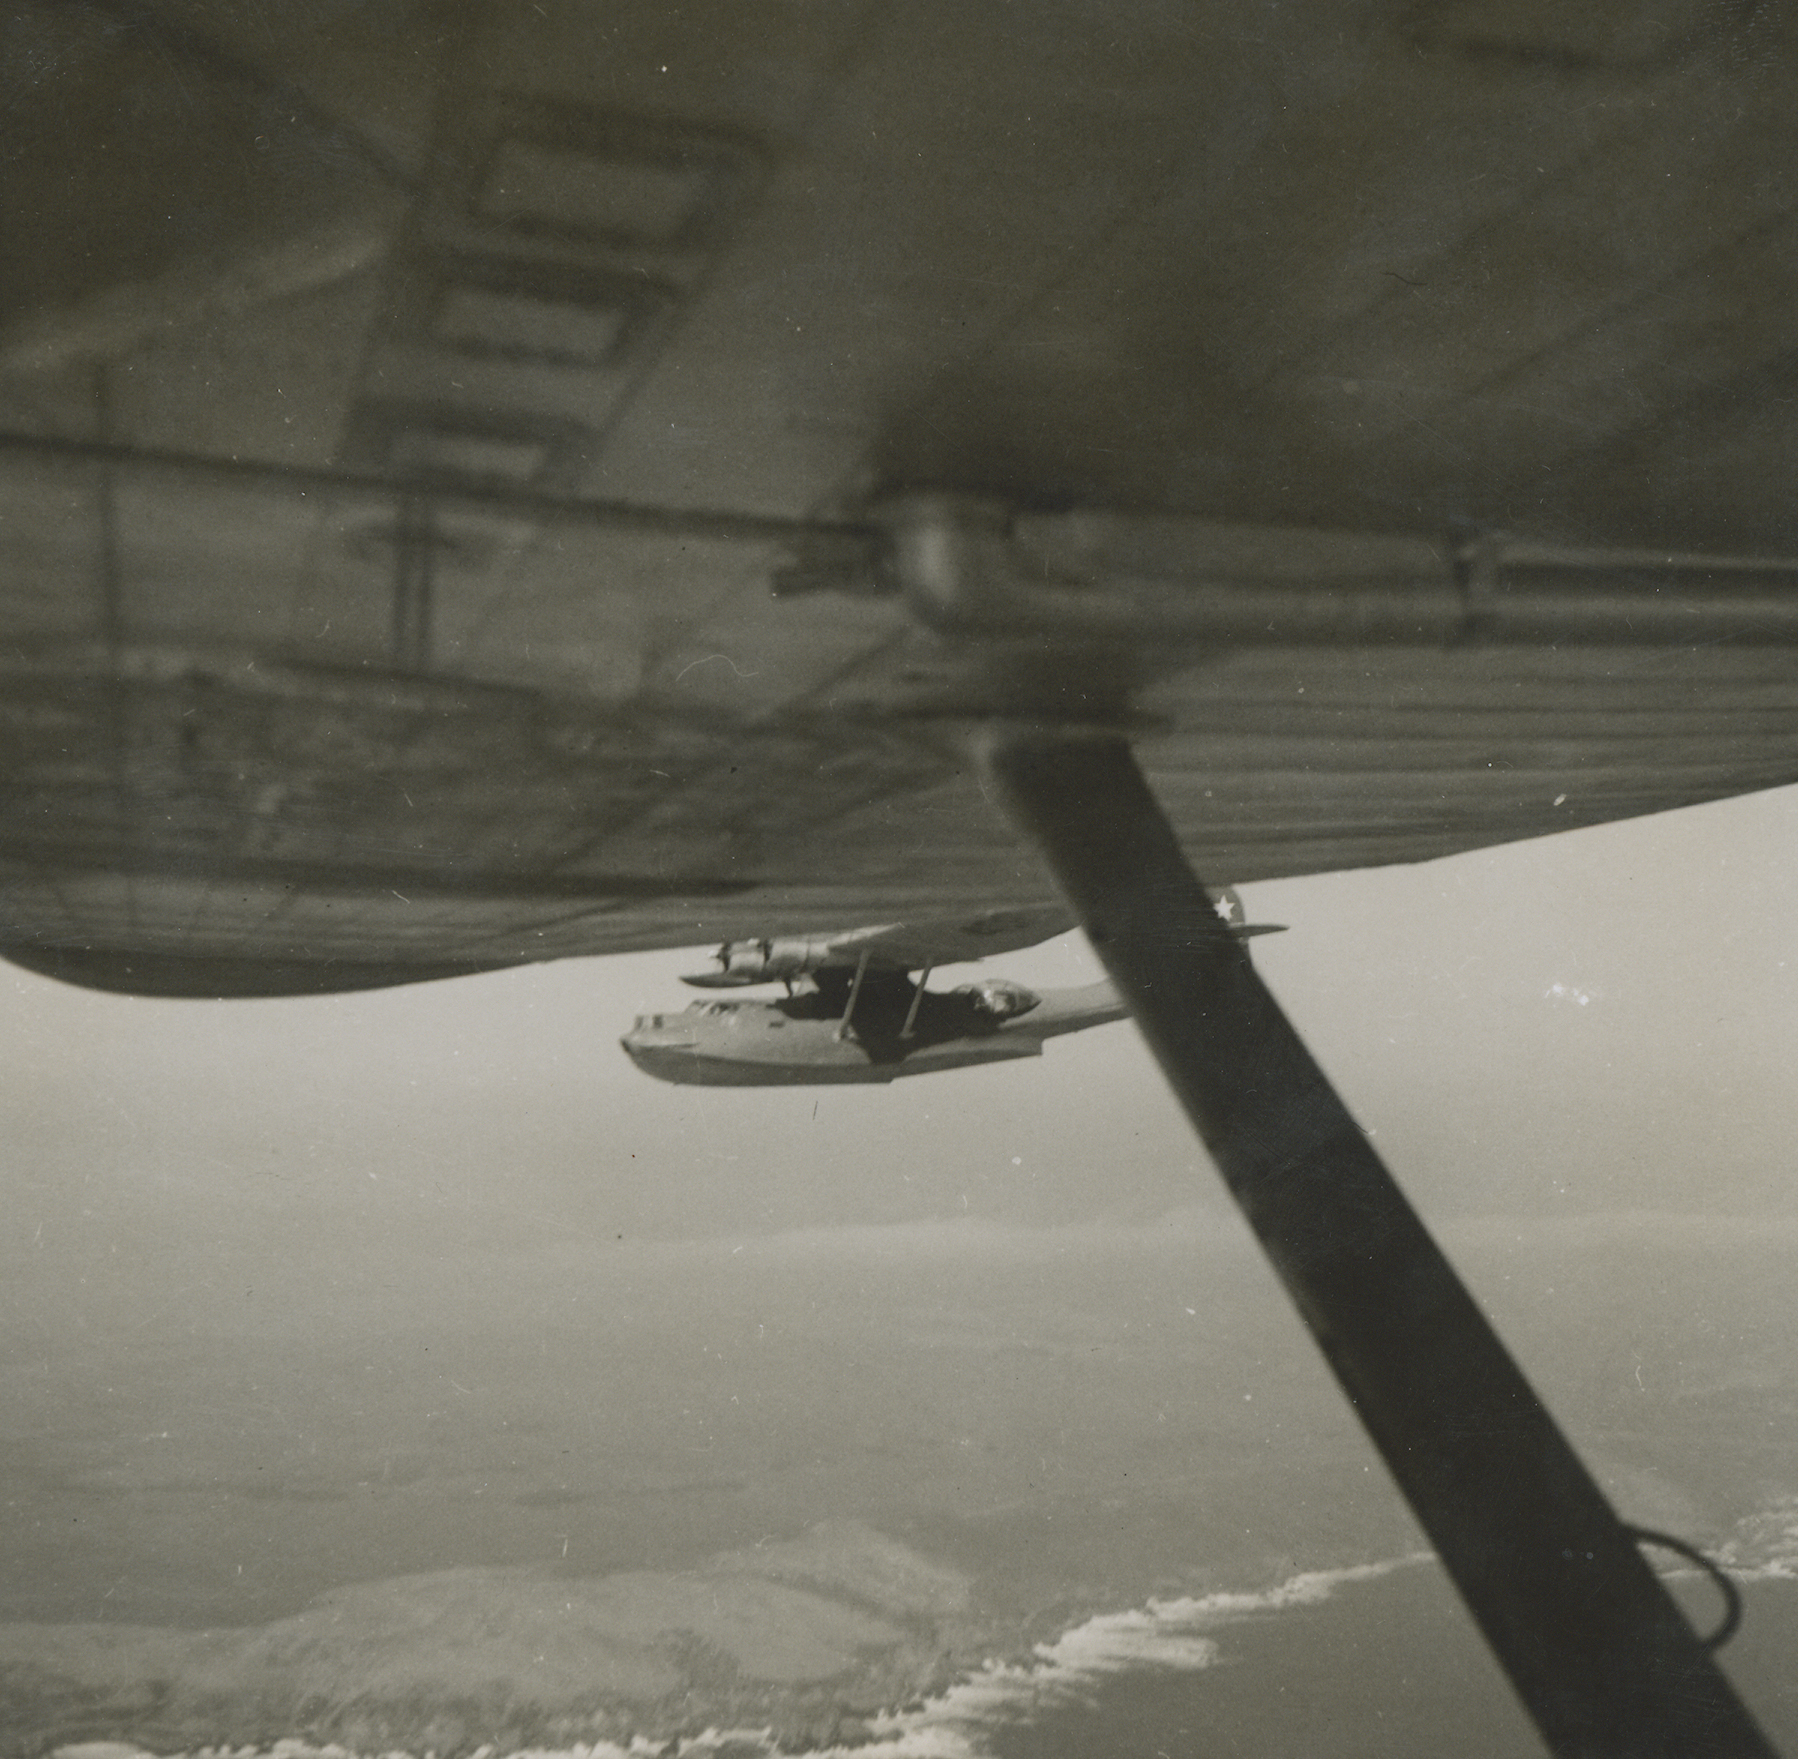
(917, 996)
(1593, 1644)
(855, 990)
(964, 574)
(447, 491)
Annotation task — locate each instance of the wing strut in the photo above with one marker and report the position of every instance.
(1593, 1644)
(855, 990)
(917, 996)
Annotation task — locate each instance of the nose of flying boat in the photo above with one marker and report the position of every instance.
(660, 1048)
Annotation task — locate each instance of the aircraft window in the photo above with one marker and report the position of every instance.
(999, 999)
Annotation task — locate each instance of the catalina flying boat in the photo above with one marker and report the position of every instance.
(853, 1012)
(831, 1028)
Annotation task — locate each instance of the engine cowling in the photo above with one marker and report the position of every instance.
(764, 961)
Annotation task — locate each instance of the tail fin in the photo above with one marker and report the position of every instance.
(1229, 906)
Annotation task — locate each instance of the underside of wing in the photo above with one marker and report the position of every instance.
(460, 488)
(952, 940)
(883, 949)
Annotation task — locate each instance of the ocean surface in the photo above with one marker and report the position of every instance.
(1355, 1664)
(1362, 1663)
(1381, 1667)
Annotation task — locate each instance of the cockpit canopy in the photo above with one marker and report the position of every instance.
(1000, 999)
(659, 1022)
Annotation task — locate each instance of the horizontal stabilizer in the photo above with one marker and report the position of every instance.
(1228, 904)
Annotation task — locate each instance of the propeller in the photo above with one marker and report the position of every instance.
(725, 977)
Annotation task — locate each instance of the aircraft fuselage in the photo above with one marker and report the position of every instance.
(801, 1040)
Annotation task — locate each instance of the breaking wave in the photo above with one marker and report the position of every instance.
(1168, 1634)
(1764, 1546)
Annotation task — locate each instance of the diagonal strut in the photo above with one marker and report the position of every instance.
(1594, 1646)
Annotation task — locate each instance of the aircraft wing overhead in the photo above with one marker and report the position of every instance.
(953, 940)
(445, 495)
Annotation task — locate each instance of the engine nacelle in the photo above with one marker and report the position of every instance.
(765, 961)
